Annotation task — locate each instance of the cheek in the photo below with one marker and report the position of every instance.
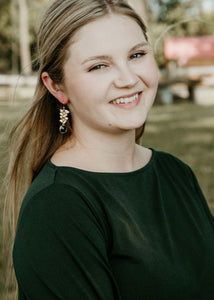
(87, 87)
(149, 72)
(153, 72)
(79, 95)
(146, 73)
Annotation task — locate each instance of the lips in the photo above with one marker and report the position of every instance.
(127, 100)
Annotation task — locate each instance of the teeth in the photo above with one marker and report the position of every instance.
(125, 100)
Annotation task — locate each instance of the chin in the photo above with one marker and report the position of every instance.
(133, 126)
(136, 124)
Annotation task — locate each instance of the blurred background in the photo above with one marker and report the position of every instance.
(182, 120)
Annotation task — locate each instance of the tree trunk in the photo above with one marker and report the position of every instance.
(14, 35)
(140, 7)
(25, 56)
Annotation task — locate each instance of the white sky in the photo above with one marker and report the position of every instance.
(208, 5)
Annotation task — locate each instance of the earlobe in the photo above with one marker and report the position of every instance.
(53, 88)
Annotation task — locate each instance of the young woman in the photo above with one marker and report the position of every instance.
(103, 218)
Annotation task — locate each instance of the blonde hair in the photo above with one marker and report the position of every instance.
(36, 136)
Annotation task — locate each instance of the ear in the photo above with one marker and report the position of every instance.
(54, 89)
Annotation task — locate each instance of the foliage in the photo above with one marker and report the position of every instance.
(5, 36)
(176, 18)
(9, 31)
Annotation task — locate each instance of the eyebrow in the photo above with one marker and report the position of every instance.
(96, 57)
(106, 57)
(143, 44)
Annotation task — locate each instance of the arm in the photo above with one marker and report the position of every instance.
(60, 249)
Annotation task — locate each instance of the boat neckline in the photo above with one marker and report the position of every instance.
(75, 169)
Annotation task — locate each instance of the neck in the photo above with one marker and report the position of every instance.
(102, 152)
(114, 152)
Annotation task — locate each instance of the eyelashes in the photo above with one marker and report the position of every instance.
(138, 55)
(97, 67)
(101, 66)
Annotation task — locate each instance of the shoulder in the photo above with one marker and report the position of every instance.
(60, 193)
(173, 168)
(60, 205)
(168, 160)
(165, 160)
(60, 211)
(52, 187)
(50, 204)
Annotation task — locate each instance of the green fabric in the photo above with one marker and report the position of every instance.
(146, 234)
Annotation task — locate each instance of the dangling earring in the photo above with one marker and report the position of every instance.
(63, 119)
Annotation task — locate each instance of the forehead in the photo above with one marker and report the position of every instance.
(107, 33)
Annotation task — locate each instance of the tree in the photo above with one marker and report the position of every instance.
(14, 35)
(25, 54)
(5, 36)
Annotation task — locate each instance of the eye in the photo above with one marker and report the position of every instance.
(97, 67)
(137, 55)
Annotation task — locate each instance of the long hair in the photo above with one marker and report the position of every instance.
(36, 136)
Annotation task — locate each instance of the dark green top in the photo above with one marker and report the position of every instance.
(146, 234)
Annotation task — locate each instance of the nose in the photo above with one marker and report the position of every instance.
(126, 77)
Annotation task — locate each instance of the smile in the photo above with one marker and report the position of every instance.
(125, 100)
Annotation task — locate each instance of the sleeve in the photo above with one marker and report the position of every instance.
(60, 251)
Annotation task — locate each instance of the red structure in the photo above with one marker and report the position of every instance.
(190, 50)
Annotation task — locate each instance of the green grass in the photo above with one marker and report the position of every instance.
(184, 130)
